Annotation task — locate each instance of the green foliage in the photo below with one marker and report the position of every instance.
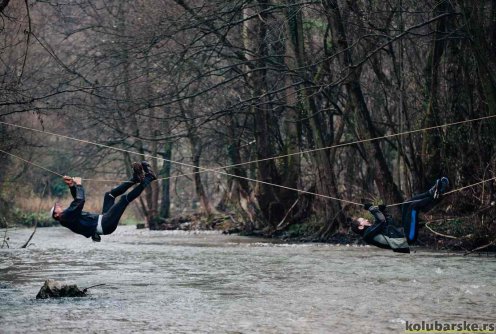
(58, 188)
(31, 218)
(301, 230)
(131, 221)
(455, 227)
(5, 209)
(313, 24)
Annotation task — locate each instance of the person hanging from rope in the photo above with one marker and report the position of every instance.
(92, 224)
(382, 233)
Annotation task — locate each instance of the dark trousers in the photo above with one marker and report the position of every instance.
(419, 203)
(112, 212)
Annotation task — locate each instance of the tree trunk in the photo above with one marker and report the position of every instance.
(383, 177)
(326, 184)
(166, 173)
(255, 41)
(196, 150)
(431, 160)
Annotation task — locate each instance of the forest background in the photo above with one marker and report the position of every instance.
(284, 92)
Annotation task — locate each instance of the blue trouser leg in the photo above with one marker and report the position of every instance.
(419, 203)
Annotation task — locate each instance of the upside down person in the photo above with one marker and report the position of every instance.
(382, 233)
(92, 224)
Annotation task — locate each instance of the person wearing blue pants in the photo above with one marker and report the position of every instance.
(421, 203)
(382, 233)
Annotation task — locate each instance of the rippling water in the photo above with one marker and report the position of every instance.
(172, 282)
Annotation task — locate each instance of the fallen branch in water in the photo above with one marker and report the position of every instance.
(5, 237)
(280, 226)
(93, 286)
(36, 223)
(31, 237)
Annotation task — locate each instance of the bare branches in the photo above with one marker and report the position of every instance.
(4, 5)
(5, 241)
(28, 33)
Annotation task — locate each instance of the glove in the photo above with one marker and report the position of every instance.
(382, 207)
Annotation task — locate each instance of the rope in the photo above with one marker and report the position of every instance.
(451, 191)
(180, 163)
(241, 177)
(337, 145)
(217, 170)
(271, 184)
(361, 141)
(32, 163)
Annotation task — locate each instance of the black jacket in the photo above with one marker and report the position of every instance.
(383, 234)
(77, 220)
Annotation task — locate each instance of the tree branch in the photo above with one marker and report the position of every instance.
(3, 5)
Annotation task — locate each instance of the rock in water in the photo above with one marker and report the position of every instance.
(55, 289)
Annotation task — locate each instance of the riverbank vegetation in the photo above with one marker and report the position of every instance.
(260, 111)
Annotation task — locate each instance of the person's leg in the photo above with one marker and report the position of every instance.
(410, 210)
(109, 197)
(110, 218)
(138, 176)
(421, 203)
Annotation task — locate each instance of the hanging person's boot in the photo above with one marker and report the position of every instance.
(149, 174)
(439, 187)
(96, 237)
(138, 173)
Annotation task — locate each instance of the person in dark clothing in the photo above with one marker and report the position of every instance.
(92, 224)
(382, 233)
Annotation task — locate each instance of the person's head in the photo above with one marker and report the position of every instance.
(359, 225)
(56, 211)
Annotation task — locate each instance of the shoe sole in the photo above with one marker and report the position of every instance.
(148, 169)
(138, 171)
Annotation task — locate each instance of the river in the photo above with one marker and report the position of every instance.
(206, 282)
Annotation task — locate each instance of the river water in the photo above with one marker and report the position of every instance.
(180, 282)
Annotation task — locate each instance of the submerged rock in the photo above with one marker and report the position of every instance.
(55, 289)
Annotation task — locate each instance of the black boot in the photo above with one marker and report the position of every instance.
(138, 173)
(96, 237)
(148, 171)
(439, 188)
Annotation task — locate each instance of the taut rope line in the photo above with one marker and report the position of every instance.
(217, 169)
(361, 141)
(223, 173)
(451, 191)
(277, 185)
(338, 145)
(32, 163)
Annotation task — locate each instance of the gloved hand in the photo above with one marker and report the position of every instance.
(382, 207)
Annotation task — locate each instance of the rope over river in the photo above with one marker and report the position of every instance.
(218, 170)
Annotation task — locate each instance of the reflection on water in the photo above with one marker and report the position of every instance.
(177, 282)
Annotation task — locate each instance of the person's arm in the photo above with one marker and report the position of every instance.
(77, 192)
(380, 223)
